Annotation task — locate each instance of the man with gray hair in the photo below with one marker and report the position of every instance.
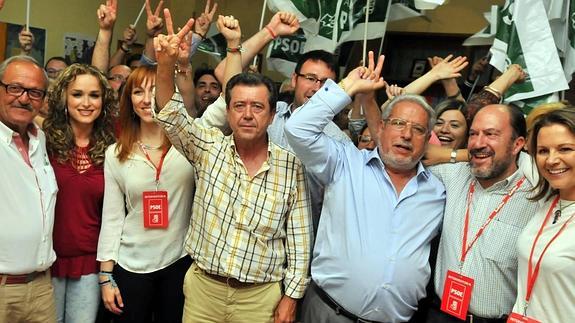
(28, 198)
(381, 208)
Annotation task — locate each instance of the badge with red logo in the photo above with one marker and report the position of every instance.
(518, 318)
(456, 294)
(155, 209)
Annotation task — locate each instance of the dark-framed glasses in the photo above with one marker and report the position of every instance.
(313, 78)
(400, 124)
(17, 91)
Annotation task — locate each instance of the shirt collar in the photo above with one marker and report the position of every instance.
(233, 151)
(6, 133)
(284, 110)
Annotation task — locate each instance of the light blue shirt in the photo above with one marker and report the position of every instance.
(372, 247)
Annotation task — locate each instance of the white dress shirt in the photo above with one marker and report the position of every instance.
(27, 204)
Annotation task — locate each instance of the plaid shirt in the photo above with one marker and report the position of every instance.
(252, 229)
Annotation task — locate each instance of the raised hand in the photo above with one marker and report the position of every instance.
(154, 22)
(184, 52)
(365, 79)
(393, 90)
(204, 21)
(283, 24)
(129, 36)
(447, 68)
(167, 46)
(229, 27)
(26, 40)
(516, 73)
(107, 14)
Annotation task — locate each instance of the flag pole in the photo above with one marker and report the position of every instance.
(139, 15)
(28, 15)
(367, 5)
(255, 62)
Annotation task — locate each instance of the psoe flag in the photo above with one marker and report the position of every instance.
(524, 37)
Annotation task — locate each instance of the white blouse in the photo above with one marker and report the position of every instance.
(123, 237)
(553, 295)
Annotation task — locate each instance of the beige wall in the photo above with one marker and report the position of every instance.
(79, 16)
(456, 17)
(58, 17)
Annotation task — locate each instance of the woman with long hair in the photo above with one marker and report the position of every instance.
(147, 207)
(78, 131)
(546, 279)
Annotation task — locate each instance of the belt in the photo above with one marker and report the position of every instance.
(471, 318)
(232, 282)
(335, 306)
(21, 279)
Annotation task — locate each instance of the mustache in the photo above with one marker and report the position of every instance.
(477, 151)
(24, 106)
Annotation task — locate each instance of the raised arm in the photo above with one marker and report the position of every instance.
(106, 14)
(166, 52)
(449, 84)
(444, 69)
(304, 130)
(281, 24)
(230, 29)
(128, 39)
(154, 26)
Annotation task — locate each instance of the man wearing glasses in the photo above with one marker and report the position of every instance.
(381, 208)
(28, 196)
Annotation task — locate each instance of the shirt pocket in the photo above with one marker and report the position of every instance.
(47, 180)
(501, 243)
(264, 216)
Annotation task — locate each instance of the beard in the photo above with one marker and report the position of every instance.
(498, 165)
(398, 163)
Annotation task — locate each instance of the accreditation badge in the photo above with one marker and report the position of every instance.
(518, 318)
(456, 294)
(155, 209)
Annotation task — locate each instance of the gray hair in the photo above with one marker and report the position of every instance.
(23, 58)
(417, 99)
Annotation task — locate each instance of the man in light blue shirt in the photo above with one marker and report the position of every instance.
(380, 211)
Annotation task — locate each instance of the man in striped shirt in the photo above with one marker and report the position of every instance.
(250, 232)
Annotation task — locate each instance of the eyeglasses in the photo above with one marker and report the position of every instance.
(17, 91)
(364, 139)
(400, 124)
(313, 78)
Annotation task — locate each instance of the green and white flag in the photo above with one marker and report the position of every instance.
(486, 35)
(524, 37)
(329, 23)
(284, 52)
(214, 46)
(403, 9)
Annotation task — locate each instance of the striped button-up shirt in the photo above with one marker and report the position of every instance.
(254, 229)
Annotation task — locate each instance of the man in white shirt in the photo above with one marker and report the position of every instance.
(28, 196)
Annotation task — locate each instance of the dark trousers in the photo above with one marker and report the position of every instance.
(436, 315)
(158, 295)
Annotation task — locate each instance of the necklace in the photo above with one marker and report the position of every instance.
(148, 147)
(557, 214)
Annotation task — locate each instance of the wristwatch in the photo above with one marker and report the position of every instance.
(453, 156)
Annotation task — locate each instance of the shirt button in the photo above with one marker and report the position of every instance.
(325, 88)
(386, 286)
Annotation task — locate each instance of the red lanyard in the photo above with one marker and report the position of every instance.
(160, 164)
(465, 247)
(531, 272)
